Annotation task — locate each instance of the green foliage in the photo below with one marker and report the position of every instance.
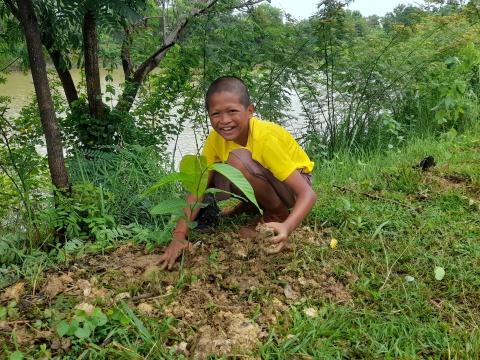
(122, 173)
(82, 325)
(193, 176)
(90, 331)
(86, 132)
(371, 90)
(395, 257)
(237, 178)
(82, 215)
(22, 170)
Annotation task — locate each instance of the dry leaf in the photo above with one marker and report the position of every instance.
(333, 243)
(14, 292)
(53, 287)
(121, 296)
(145, 308)
(310, 312)
(88, 308)
(289, 292)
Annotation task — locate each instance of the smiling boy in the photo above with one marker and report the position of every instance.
(272, 161)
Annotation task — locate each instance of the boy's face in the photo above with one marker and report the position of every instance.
(229, 117)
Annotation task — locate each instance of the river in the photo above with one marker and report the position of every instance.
(19, 87)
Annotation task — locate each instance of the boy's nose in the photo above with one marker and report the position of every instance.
(224, 119)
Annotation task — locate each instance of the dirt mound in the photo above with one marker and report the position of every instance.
(229, 334)
(227, 289)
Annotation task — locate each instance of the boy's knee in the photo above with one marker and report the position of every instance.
(241, 159)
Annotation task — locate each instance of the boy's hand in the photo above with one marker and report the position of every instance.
(172, 252)
(280, 240)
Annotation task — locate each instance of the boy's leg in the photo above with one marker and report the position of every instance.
(273, 196)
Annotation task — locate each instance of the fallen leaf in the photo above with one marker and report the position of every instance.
(181, 348)
(146, 309)
(85, 286)
(310, 312)
(121, 296)
(333, 243)
(53, 287)
(439, 273)
(289, 292)
(14, 292)
(88, 308)
(409, 278)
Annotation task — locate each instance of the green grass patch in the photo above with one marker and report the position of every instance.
(394, 225)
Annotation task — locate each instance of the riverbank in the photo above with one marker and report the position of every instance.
(387, 266)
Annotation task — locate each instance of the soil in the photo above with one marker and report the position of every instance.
(225, 296)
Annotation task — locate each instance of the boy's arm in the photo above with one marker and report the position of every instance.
(305, 199)
(179, 241)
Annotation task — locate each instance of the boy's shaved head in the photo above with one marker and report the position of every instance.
(229, 84)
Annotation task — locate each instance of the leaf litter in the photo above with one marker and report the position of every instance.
(225, 297)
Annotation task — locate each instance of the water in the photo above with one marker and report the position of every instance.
(19, 87)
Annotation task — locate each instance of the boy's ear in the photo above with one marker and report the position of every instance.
(251, 109)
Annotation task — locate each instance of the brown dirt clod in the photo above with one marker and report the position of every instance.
(231, 333)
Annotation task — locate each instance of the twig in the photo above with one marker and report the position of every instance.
(389, 269)
(142, 296)
(376, 197)
(148, 296)
(16, 322)
(10, 64)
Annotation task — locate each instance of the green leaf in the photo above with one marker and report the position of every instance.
(16, 355)
(3, 313)
(134, 320)
(237, 178)
(195, 171)
(439, 273)
(62, 328)
(119, 316)
(170, 206)
(83, 332)
(98, 318)
(168, 179)
(73, 327)
(192, 224)
(216, 191)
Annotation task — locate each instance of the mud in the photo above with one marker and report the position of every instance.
(225, 295)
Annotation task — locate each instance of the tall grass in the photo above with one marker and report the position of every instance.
(373, 92)
(124, 174)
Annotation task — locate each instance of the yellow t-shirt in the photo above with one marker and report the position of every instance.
(270, 144)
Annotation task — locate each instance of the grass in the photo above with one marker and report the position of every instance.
(381, 242)
(392, 222)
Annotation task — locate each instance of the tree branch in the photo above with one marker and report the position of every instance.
(125, 52)
(136, 79)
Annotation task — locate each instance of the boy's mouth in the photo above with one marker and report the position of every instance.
(227, 129)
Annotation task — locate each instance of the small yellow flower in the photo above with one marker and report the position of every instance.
(333, 243)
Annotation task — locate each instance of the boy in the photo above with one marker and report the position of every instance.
(272, 161)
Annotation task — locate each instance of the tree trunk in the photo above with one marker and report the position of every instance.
(65, 77)
(64, 74)
(53, 139)
(92, 73)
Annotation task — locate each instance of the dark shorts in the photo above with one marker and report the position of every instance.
(284, 192)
